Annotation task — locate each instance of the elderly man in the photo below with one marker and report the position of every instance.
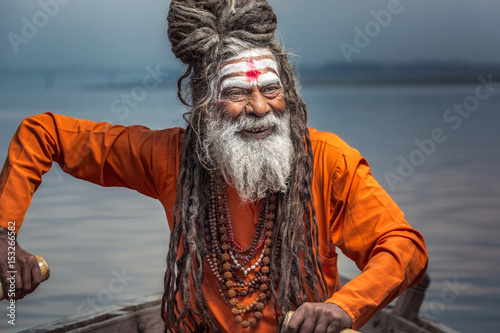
(257, 203)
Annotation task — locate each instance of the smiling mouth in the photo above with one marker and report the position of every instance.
(258, 132)
(258, 129)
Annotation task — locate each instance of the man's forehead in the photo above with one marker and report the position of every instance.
(251, 54)
(254, 66)
(250, 62)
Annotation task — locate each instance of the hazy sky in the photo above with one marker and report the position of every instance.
(127, 32)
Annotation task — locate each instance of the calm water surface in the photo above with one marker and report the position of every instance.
(90, 235)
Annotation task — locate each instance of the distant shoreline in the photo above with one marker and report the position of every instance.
(464, 80)
(333, 74)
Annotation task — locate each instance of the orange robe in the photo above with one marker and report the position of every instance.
(354, 213)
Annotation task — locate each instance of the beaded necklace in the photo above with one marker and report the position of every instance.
(221, 247)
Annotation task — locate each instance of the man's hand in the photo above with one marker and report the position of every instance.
(27, 276)
(319, 318)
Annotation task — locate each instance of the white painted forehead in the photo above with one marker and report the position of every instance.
(252, 53)
(260, 58)
(251, 61)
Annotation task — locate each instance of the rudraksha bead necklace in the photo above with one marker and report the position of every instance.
(222, 260)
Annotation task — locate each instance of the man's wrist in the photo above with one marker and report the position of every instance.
(3, 231)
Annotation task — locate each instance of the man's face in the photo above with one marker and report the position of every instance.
(250, 86)
(248, 137)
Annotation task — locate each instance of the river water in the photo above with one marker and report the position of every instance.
(443, 172)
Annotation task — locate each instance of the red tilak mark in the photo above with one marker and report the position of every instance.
(219, 103)
(253, 73)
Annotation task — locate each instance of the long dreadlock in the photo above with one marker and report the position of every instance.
(203, 34)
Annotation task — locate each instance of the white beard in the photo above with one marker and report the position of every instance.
(252, 166)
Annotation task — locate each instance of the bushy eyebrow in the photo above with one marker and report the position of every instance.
(269, 81)
(239, 82)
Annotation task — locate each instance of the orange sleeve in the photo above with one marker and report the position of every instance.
(101, 153)
(372, 231)
(369, 228)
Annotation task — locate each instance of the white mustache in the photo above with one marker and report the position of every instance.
(251, 123)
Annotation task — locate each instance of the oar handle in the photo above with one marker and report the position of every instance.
(288, 316)
(44, 270)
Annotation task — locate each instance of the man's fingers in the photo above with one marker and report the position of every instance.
(21, 276)
(3, 280)
(31, 275)
(333, 327)
(296, 321)
(318, 318)
(309, 325)
(322, 326)
(36, 276)
(19, 280)
(306, 322)
(26, 276)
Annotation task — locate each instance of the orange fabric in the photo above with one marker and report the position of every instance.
(354, 213)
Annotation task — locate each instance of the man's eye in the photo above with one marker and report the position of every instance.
(271, 91)
(235, 94)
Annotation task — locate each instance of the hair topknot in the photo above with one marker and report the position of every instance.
(198, 27)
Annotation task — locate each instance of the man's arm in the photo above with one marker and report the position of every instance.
(356, 215)
(97, 152)
(371, 230)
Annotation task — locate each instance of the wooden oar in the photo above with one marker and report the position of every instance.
(44, 269)
(288, 316)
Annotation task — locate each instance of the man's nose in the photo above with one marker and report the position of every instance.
(257, 105)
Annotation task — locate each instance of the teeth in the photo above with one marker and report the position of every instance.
(256, 130)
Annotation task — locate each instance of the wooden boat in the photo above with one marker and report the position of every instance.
(143, 315)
